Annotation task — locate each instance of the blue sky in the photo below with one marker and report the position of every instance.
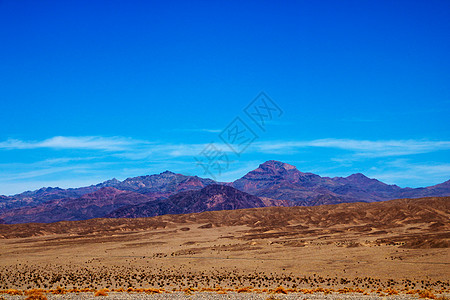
(91, 90)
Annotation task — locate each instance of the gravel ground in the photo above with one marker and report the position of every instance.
(229, 295)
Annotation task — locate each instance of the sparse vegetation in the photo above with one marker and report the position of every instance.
(102, 292)
(36, 296)
(426, 294)
(280, 290)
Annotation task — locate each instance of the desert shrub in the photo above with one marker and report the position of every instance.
(189, 291)
(102, 292)
(306, 291)
(58, 291)
(14, 292)
(327, 291)
(152, 291)
(390, 292)
(280, 290)
(426, 294)
(244, 290)
(34, 291)
(36, 296)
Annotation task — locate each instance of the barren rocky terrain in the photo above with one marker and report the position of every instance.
(399, 246)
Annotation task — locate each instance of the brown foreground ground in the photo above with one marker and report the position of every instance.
(399, 246)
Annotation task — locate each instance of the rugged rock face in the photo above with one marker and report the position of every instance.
(210, 198)
(282, 181)
(164, 183)
(273, 173)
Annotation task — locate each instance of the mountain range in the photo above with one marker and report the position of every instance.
(273, 183)
(278, 180)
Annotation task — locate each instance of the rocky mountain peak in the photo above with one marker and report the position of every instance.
(168, 173)
(358, 177)
(276, 166)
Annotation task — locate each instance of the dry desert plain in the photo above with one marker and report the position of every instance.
(362, 250)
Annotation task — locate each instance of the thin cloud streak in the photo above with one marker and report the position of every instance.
(139, 149)
(403, 171)
(118, 156)
(68, 142)
(208, 130)
(364, 148)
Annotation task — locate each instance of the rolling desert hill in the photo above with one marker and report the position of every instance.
(396, 246)
(363, 218)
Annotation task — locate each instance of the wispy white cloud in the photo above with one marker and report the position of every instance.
(15, 187)
(69, 142)
(237, 170)
(403, 172)
(208, 130)
(121, 157)
(364, 148)
(37, 173)
(15, 171)
(117, 146)
(138, 149)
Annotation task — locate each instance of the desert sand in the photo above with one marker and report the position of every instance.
(398, 246)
